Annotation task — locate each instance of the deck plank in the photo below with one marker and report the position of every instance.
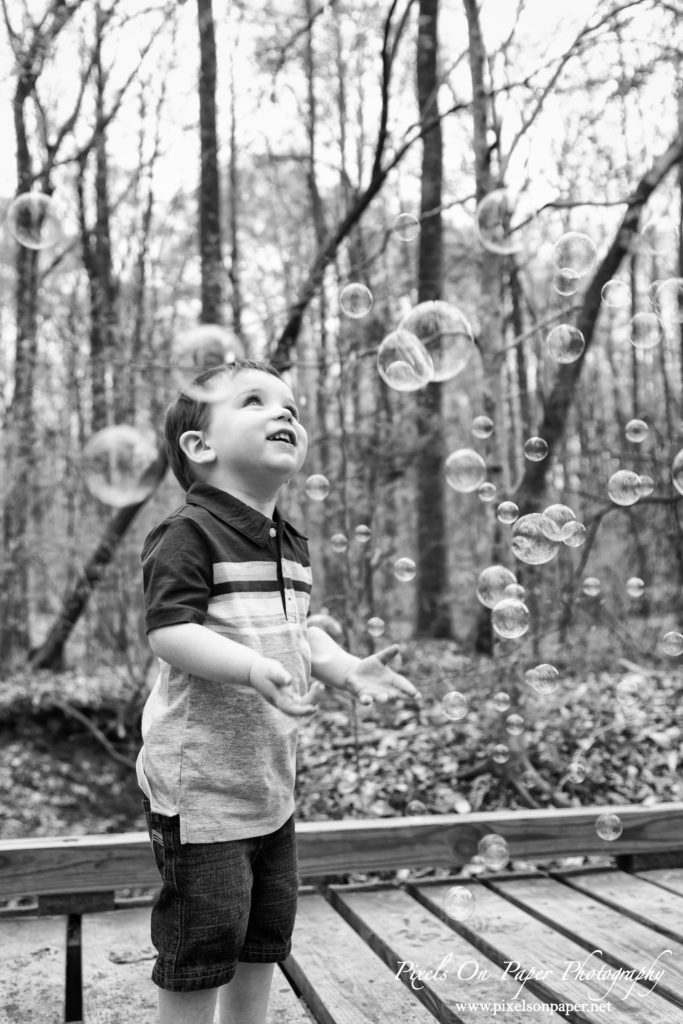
(518, 941)
(340, 978)
(402, 931)
(33, 970)
(621, 940)
(668, 878)
(651, 905)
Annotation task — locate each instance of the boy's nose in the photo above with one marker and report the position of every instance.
(286, 414)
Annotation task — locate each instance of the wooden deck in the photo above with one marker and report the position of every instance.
(593, 945)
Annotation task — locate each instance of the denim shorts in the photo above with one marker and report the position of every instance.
(220, 903)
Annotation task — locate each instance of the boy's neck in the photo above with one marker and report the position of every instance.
(263, 500)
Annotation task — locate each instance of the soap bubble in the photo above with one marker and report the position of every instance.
(415, 807)
(645, 330)
(559, 516)
(514, 724)
(487, 491)
(507, 512)
(494, 852)
(510, 618)
(491, 584)
(530, 539)
(362, 533)
(672, 643)
(406, 227)
(500, 753)
(323, 620)
(609, 826)
(454, 705)
(505, 223)
(405, 570)
(339, 542)
(565, 343)
(446, 334)
(544, 678)
(652, 236)
(667, 298)
(635, 587)
(535, 449)
(119, 464)
(629, 688)
(616, 294)
(577, 772)
(465, 470)
(636, 431)
(646, 486)
(459, 903)
(200, 350)
(33, 220)
(623, 487)
(515, 590)
(591, 586)
(375, 626)
(677, 471)
(355, 300)
(501, 701)
(574, 535)
(482, 427)
(403, 362)
(317, 487)
(566, 281)
(574, 251)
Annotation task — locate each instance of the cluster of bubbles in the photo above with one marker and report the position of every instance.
(432, 342)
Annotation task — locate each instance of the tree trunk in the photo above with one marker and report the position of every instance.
(209, 187)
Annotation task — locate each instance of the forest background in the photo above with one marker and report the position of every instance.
(228, 165)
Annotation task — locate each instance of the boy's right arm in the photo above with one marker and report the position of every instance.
(196, 649)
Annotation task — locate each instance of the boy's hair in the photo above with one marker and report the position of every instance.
(186, 413)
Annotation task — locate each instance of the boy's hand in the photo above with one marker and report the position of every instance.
(372, 679)
(271, 679)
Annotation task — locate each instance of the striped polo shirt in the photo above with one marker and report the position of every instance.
(217, 754)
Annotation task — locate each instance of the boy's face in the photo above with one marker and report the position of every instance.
(255, 429)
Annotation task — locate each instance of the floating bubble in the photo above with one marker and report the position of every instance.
(323, 620)
(406, 227)
(510, 618)
(635, 587)
(591, 586)
(491, 584)
(507, 512)
(574, 535)
(645, 330)
(616, 294)
(565, 343)
(623, 487)
(317, 487)
(629, 689)
(405, 570)
(375, 626)
(514, 724)
(609, 826)
(339, 542)
(530, 539)
(646, 486)
(455, 705)
(446, 334)
(566, 281)
(501, 701)
(403, 362)
(494, 852)
(487, 491)
(672, 643)
(355, 300)
(362, 533)
(119, 464)
(500, 753)
(667, 298)
(465, 470)
(652, 236)
(535, 449)
(33, 220)
(559, 516)
(415, 807)
(574, 251)
(677, 471)
(459, 903)
(515, 590)
(636, 431)
(200, 350)
(482, 427)
(577, 772)
(544, 678)
(505, 223)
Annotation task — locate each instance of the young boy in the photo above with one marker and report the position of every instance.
(227, 585)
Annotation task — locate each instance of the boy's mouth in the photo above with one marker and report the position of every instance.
(283, 434)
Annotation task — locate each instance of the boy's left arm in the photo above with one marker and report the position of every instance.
(368, 679)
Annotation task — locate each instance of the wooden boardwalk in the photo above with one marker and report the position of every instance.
(596, 945)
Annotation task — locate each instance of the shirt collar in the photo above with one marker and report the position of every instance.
(236, 513)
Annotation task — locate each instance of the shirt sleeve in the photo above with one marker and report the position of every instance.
(177, 575)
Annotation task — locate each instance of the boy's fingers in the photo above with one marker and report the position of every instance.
(387, 653)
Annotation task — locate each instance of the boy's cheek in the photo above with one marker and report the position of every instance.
(302, 447)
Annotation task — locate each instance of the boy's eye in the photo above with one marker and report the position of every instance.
(253, 398)
(294, 411)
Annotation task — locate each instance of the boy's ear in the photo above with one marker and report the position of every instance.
(193, 445)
